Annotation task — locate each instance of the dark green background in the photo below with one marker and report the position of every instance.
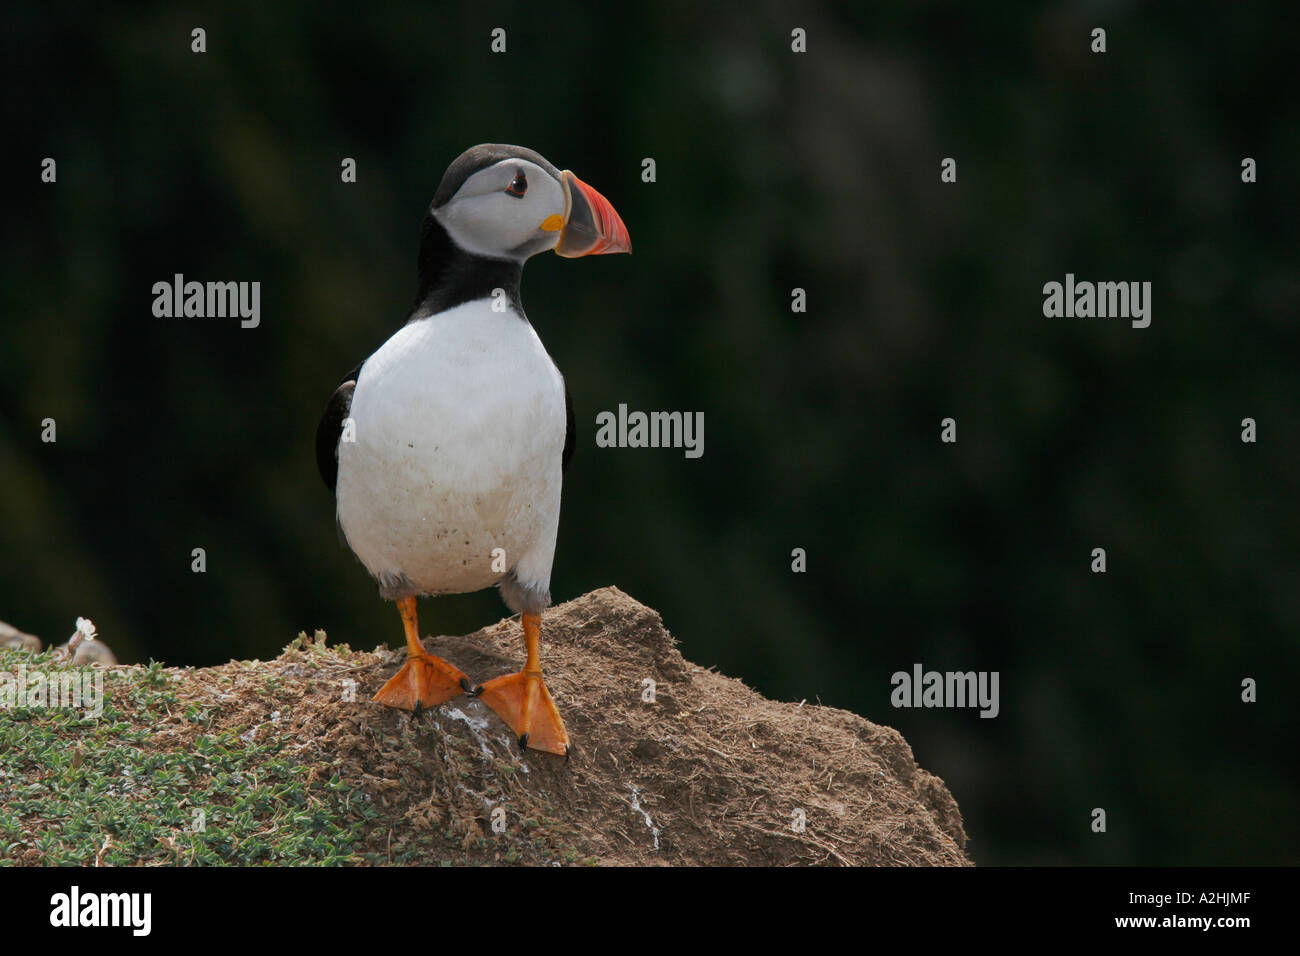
(775, 170)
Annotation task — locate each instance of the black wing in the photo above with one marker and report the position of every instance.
(331, 427)
(570, 438)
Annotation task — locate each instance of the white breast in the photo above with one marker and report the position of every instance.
(459, 426)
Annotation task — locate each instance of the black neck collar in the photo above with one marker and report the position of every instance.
(450, 276)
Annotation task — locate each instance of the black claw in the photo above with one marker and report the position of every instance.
(523, 741)
(419, 709)
(466, 686)
(476, 691)
(568, 752)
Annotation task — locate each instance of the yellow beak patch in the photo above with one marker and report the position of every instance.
(552, 223)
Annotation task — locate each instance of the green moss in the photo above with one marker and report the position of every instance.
(109, 790)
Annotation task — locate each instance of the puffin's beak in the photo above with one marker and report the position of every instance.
(591, 226)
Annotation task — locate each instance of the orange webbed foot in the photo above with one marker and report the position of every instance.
(523, 701)
(425, 680)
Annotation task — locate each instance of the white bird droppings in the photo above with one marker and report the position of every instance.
(636, 805)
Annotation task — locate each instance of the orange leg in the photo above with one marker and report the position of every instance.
(523, 701)
(425, 680)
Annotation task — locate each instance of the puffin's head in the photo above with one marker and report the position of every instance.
(508, 202)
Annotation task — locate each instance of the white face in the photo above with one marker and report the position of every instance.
(489, 216)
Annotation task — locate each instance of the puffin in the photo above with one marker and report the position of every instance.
(445, 449)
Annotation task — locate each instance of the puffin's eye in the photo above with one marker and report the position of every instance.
(519, 185)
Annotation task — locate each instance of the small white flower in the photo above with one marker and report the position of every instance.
(86, 628)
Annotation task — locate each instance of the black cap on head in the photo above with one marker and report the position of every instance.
(481, 157)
